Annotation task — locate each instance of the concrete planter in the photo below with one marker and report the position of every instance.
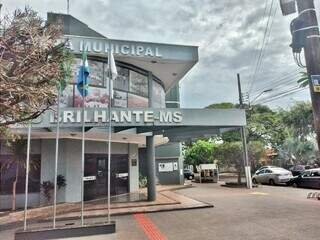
(101, 231)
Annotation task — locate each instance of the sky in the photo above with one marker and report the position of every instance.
(229, 34)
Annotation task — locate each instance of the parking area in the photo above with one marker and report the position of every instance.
(266, 212)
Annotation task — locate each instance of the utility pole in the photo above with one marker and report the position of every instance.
(308, 15)
(246, 163)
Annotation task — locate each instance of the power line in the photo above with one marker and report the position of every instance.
(278, 83)
(254, 56)
(268, 40)
(285, 94)
(262, 47)
(280, 94)
(285, 78)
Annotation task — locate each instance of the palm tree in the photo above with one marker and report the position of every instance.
(18, 161)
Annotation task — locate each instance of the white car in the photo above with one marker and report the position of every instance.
(265, 167)
(272, 176)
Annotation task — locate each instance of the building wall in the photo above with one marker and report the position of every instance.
(170, 153)
(33, 200)
(48, 147)
(133, 168)
(70, 164)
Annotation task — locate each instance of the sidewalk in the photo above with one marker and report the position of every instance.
(167, 200)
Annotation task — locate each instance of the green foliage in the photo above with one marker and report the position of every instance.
(61, 181)
(143, 181)
(265, 125)
(256, 151)
(47, 188)
(303, 81)
(231, 136)
(299, 119)
(223, 105)
(199, 152)
(65, 68)
(295, 151)
(229, 154)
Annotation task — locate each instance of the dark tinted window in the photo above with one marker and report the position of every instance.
(8, 174)
(315, 174)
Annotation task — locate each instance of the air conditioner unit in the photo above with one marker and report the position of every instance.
(288, 7)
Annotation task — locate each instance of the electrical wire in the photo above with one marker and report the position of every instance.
(285, 94)
(260, 67)
(276, 82)
(279, 94)
(254, 56)
(262, 47)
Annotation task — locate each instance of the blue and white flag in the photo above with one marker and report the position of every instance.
(83, 76)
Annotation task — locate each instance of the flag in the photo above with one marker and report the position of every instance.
(83, 76)
(113, 73)
(113, 68)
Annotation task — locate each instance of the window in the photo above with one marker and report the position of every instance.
(122, 81)
(306, 174)
(138, 84)
(97, 97)
(120, 99)
(96, 73)
(8, 176)
(137, 101)
(158, 95)
(130, 88)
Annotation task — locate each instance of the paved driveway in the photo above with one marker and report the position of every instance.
(262, 213)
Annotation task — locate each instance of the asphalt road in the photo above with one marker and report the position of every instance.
(267, 212)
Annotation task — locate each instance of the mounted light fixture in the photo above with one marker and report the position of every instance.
(288, 7)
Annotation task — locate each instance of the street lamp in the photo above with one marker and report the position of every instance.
(260, 94)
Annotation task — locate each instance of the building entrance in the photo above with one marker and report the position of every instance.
(96, 173)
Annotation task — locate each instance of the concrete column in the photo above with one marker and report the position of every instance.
(151, 164)
(151, 168)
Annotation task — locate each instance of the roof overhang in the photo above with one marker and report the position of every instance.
(167, 62)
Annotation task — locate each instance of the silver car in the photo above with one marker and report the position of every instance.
(272, 176)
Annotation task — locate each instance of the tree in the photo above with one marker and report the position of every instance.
(256, 151)
(232, 135)
(230, 154)
(299, 118)
(32, 63)
(223, 105)
(199, 152)
(18, 162)
(264, 124)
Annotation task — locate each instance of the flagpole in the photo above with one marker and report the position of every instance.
(27, 179)
(109, 129)
(82, 154)
(56, 160)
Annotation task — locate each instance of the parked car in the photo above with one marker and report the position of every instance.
(308, 179)
(298, 169)
(265, 167)
(188, 174)
(272, 176)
